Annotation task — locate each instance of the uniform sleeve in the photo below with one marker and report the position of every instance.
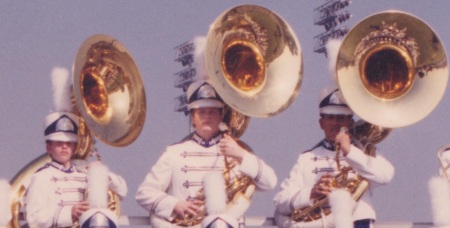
(263, 175)
(294, 191)
(118, 185)
(40, 212)
(377, 170)
(152, 193)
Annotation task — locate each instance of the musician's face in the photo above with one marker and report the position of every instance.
(61, 151)
(206, 121)
(331, 124)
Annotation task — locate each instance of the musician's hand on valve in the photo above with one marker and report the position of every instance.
(344, 142)
(78, 209)
(322, 187)
(229, 147)
(192, 208)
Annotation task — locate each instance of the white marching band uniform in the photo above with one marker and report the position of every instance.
(53, 190)
(311, 165)
(179, 172)
(56, 187)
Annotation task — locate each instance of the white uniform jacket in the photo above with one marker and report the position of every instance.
(311, 165)
(53, 190)
(179, 172)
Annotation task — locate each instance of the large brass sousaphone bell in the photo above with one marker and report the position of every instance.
(392, 69)
(109, 91)
(254, 60)
(110, 99)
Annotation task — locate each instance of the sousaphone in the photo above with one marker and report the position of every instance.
(254, 60)
(392, 69)
(109, 97)
(109, 91)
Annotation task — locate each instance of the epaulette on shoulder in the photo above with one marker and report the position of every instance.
(186, 138)
(43, 167)
(314, 147)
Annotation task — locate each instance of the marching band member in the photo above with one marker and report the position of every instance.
(169, 191)
(311, 176)
(55, 195)
(439, 190)
(5, 202)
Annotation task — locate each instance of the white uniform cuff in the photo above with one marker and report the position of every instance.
(164, 208)
(250, 165)
(65, 217)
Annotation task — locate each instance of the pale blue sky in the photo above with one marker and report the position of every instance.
(36, 36)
